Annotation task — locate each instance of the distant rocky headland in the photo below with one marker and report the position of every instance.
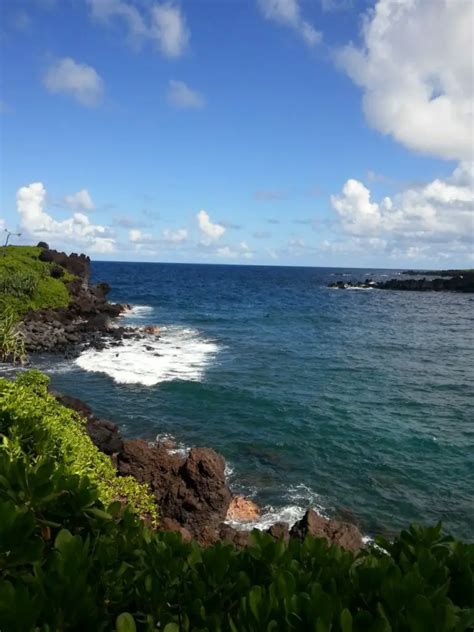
(443, 281)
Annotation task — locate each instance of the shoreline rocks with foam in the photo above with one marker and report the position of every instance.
(85, 322)
(192, 493)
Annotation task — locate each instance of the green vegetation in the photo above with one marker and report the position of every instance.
(12, 344)
(69, 560)
(26, 282)
(34, 423)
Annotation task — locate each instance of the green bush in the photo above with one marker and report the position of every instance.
(69, 562)
(26, 282)
(36, 424)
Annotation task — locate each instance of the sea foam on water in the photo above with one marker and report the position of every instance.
(180, 353)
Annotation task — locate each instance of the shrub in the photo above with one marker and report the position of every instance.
(36, 424)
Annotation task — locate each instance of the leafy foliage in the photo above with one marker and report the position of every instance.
(70, 562)
(26, 282)
(34, 423)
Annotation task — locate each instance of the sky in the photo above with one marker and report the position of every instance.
(274, 132)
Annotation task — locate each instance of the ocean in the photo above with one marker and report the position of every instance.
(357, 402)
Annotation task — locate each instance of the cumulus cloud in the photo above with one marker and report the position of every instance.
(182, 96)
(416, 74)
(80, 81)
(288, 13)
(210, 231)
(163, 24)
(175, 236)
(80, 201)
(137, 236)
(75, 231)
(440, 212)
(241, 251)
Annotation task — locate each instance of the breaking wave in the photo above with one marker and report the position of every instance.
(179, 354)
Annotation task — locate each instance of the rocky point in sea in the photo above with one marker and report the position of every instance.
(191, 490)
(457, 281)
(86, 321)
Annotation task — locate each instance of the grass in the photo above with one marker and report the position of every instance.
(26, 282)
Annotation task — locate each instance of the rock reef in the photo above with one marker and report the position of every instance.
(459, 282)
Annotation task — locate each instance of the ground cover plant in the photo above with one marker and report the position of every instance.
(72, 560)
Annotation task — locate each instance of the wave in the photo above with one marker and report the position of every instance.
(179, 354)
(138, 311)
(300, 497)
(358, 288)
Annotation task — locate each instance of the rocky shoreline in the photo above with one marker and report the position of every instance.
(191, 491)
(86, 321)
(459, 282)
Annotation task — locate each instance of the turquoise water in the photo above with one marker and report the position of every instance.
(357, 402)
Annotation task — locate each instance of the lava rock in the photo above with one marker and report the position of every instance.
(342, 533)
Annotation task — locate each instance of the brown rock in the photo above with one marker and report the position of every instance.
(243, 509)
(168, 524)
(154, 330)
(280, 530)
(105, 435)
(190, 490)
(229, 535)
(342, 533)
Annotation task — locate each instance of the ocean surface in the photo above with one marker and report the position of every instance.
(358, 402)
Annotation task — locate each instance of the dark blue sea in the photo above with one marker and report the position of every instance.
(356, 402)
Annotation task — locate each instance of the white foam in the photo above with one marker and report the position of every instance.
(359, 288)
(178, 448)
(302, 498)
(138, 311)
(179, 354)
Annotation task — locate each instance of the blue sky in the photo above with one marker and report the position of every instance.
(325, 132)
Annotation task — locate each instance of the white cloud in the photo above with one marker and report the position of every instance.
(241, 251)
(175, 236)
(136, 236)
(182, 96)
(163, 24)
(169, 29)
(211, 231)
(80, 201)
(80, 81)
(288, 13)
(76, 230)
(416, 72)
(438, 213)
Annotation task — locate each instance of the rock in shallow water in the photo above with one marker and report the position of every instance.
(342, 533)
(243, 509)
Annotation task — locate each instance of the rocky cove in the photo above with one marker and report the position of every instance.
(191, 490)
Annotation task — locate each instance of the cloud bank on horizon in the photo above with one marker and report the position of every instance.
(408, 72)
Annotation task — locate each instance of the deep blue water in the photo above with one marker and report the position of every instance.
(360, 402)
